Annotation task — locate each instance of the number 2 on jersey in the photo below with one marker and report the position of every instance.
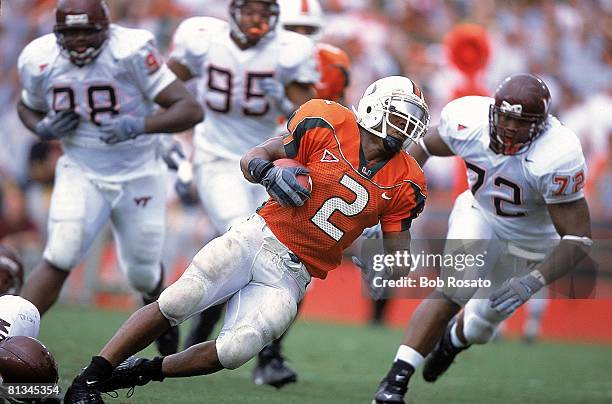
(321, 218)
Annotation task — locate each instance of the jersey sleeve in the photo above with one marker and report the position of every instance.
(297, 61)
(32, 69)
(149, 70)
(457, 119)
(309, 131)
(564, 179)
(406, 207)
(191, 41)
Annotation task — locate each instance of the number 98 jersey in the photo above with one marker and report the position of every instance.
(348, 193)
(238, 115)
(513, 190)
(124, 79)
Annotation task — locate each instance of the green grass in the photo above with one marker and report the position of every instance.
(343, 364)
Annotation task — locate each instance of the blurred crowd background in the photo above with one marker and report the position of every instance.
(450, 48)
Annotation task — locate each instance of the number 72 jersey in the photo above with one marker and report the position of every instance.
(513, 191)
(348, 193)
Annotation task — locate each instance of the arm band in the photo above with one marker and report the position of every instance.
(583, 240)
(258, 168)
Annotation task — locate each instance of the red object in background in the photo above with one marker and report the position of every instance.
(339, 298)
(468, 48)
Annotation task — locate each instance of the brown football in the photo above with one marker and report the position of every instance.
(26, 360)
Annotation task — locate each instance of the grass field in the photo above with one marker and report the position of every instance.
(343, 364)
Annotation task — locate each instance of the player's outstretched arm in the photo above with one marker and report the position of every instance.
(573, 223)
(181, 110)
(181, 71)
(431, 145)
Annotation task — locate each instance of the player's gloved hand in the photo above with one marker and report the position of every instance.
(514, 292)
(172, 154)
(275, 91)
(120, 129)
(368, 275)
(57, 125)
(281, 183)
(374, 232)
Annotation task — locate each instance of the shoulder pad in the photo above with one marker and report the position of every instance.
(465, 112)
(295, 49)
(567, 150)
(195, 33)
(331, 112)
(37, 55)
(124, 42)
(332, 53)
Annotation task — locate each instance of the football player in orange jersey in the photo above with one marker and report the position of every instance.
(360, 176)
(304, 17)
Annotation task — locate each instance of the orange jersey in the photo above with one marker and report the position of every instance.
(348, 194)
(334, 68)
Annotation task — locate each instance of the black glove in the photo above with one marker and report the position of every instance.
(57, 125)
(281, 183)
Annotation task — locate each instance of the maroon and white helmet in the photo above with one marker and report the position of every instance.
(252, 33)
(81, 29)
(519, 115)
(11, 271)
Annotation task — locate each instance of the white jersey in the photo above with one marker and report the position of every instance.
(237, 114)
(18, 317)
(124, 79)
(513, 191)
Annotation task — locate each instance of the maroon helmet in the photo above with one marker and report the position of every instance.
(26, 360)
(11, 271)
(251, 33)
(519, 114)
(81, 28)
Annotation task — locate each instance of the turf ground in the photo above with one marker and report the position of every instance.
(343, 364)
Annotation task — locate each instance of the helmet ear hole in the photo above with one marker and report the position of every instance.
(369, 109)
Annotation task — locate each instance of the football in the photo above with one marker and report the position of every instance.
(26, 360)
(303, 179)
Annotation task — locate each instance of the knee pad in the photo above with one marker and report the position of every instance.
(182, 299)
(64, 248)
(237, 346)
(145, 279)
(480, 322)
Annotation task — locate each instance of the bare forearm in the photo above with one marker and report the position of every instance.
(29, 117)
(181, 116)
(564, 258)
(270, 150)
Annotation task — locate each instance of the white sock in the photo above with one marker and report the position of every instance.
(409, 355)
(454, 338)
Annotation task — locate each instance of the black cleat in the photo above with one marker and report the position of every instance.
(272, 369)
(83, 391)
(394, 386)
(443, 355)
(168, 342)
(129, 374)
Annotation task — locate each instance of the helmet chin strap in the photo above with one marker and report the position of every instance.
(392, 144)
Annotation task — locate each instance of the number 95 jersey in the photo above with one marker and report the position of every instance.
(513, 190)
(348, 193)
(238, 116)
(124, 79)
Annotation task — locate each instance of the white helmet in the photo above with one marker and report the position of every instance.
(302, 13)
(398, 96)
